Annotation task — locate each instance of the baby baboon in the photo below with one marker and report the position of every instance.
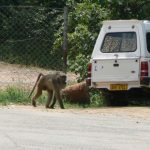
(52, 83)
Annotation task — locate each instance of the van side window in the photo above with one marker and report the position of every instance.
(119, 42)
(148, 41)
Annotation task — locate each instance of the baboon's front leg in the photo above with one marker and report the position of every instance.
(49, 99)
(53, 100)
(58, 97)
(38, 94)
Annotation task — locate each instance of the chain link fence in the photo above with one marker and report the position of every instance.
(27, 35)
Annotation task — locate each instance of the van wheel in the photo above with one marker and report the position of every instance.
(116, 98)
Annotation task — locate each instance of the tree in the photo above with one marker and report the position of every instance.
(128, 9)
(27, 32)
(85, 20)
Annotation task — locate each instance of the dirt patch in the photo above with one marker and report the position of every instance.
(25, 76)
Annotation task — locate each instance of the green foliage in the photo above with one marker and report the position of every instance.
(16, 95)
(80, 66)
(84, 25)
(128, 9)
(96, 98)
(48, 3)
(27, 36)
(84, 22)
(13, 95)
(80, 41)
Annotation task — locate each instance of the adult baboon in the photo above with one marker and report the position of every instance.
(52, 83)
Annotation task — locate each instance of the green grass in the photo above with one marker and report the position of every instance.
(12, 95)
(17, 95)
(96, 98)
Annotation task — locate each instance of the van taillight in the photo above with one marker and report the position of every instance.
(144, 69)
(88, 80)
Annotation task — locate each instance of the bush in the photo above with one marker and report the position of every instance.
(80, 66)
(96, 98)
(84, 22)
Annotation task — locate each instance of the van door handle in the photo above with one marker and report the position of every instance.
(116, 65)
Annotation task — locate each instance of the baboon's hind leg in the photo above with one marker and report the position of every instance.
(38, 94)
(53, 100)
(58, 97)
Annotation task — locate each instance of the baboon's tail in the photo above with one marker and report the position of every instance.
(35, 84)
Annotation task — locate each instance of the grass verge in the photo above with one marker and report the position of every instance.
(17, 95)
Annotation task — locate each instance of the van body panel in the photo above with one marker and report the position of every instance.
(115, 70)
(120, 49)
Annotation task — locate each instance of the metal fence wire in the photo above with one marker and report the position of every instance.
(27, 35)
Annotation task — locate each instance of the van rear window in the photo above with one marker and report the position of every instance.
(119, 42)
(148, 41)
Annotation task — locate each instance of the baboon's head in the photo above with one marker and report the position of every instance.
(61, 79)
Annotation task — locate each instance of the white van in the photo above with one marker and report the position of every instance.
(121, 56)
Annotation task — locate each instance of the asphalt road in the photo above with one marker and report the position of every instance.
(39, 129)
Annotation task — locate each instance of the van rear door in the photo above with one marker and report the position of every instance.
(119, 58)
(114, 70)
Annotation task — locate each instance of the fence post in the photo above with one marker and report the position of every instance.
(65, 40)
